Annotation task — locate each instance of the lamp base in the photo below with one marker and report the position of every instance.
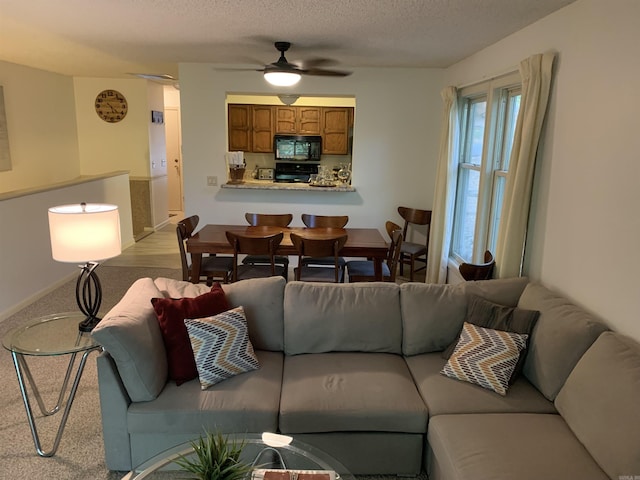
(88, 324)
(88, 296)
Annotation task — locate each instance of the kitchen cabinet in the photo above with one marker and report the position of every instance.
(297, 120)
(336, 125)
(250, 128)
(239, 125)
(262, 137)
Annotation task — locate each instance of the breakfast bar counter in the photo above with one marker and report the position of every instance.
(266, 185)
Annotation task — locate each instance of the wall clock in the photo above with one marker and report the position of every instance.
(111, 106)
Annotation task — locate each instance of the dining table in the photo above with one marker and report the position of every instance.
(361, 242)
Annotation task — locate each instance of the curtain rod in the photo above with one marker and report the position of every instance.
(504, 73)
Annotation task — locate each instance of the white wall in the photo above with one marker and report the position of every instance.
(585, 227)
(396, 138)
(28, 270)
(106, 147)
(41, 123)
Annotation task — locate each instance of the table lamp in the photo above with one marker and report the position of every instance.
(85, 233)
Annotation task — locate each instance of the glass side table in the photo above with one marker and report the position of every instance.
(52, 335)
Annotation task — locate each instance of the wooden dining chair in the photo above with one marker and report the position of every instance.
(255, 245)
(324, 221)
(412, 252)
(268, 220)
(478, 271)
(212, 267)
(364, 270)
(310, 248)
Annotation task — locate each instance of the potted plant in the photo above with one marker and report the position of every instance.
(215, 457)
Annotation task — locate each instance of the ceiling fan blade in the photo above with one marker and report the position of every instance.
(317, 63)
(326, 73)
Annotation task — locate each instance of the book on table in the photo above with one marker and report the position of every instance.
(273, 474)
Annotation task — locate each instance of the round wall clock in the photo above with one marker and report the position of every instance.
(111, 106)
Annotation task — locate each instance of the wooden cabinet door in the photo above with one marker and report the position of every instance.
(262, 129)
(335, 130)
(308, 120)
(239, 125)
(285, 119)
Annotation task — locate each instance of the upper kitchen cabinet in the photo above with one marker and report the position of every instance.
(250, 128)
(262, 129)
(239, 121)
(336, 123)
(297, 120)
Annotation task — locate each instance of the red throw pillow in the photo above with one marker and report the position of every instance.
(171, 314)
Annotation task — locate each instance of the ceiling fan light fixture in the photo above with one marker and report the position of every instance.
(288, 99)
(282, 79)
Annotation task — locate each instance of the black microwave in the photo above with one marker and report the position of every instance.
(299, 148)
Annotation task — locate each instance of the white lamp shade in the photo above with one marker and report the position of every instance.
(84, 232)
(282, 79)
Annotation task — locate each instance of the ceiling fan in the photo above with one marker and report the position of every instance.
(282, 73)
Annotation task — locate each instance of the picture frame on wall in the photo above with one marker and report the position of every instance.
(157, 116)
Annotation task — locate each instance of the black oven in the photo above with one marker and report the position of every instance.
(297, 148)
(290, 172)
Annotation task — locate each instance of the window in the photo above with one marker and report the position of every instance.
(488, 114)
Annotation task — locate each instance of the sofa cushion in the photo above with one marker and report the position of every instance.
(322, 317)
(485, 357)
(221, 346)
(507, 446)
(261, 298)
(231, 406)
(562, 334)
(357, 392)
(131, 334)
(444, 395)
(171, 313)
(484, 313)
(599, 401)
(432, 314)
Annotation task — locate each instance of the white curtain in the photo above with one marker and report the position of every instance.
(445, 190)
(536, 74)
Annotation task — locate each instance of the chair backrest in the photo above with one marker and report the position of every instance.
(324, 221)
(184, 231)
(394, 253)
(391, 227)
(482, 271)
(269, 219)
(319, 247)
(414, 216)
(254, 245)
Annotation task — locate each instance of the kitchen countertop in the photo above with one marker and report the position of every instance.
(266, 185)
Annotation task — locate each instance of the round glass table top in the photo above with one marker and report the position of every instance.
(264, 451)
(50, 335)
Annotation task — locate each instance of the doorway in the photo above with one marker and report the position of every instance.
(174, 160)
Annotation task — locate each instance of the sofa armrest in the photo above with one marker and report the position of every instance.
(114, 402)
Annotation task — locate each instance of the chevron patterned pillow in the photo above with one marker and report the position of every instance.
(221, 346)
(485, 357)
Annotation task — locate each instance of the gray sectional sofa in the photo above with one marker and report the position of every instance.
(354, 370)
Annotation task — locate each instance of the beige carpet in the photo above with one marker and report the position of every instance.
(80, 455)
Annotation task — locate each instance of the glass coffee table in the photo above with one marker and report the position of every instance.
(49, 336)
(263, 451)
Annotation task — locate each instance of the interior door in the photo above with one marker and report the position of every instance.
(174, 159)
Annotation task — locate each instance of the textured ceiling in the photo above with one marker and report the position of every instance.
(108, 38)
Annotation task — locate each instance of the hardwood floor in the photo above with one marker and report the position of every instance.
(159, 249)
